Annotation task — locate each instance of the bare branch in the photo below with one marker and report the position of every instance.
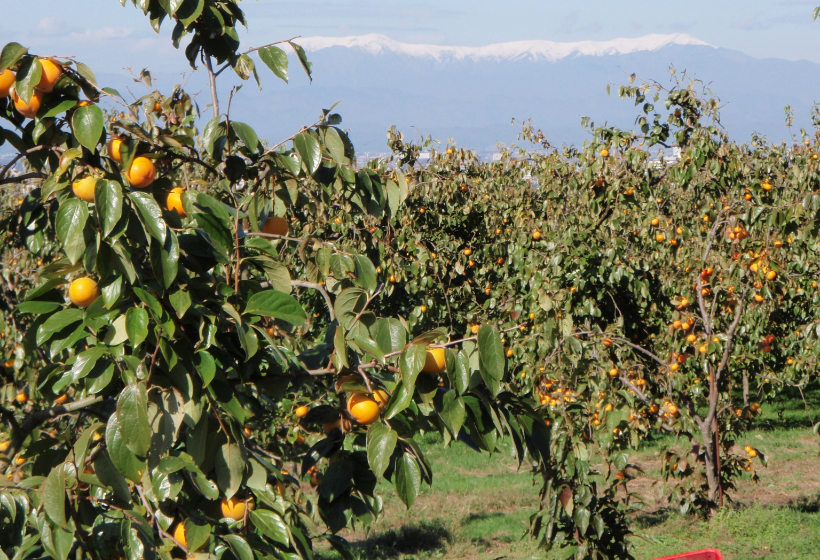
(23, 177)
(249, 51)
(320, 288)
(272, 148)
(730, 335)
(643, 351)
(367, 303)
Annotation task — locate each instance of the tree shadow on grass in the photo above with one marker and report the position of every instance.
(415, 538)
(806, 504)
(646, 520)
(467, 519)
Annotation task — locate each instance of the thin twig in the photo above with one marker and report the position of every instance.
(320, 288)
(289, 138)
(367, 303)
(23, 177)
(249, 51)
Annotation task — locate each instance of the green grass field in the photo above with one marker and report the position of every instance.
(479, 505)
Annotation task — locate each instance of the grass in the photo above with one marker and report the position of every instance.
(479, 505)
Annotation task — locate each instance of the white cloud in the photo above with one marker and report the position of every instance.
(51, 27)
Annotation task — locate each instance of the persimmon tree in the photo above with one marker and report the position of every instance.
(650, 297)
(199, 324)
(194, 324)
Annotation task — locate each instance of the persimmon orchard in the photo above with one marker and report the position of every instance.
(196, 321)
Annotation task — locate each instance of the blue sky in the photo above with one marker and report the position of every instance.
(109, 37)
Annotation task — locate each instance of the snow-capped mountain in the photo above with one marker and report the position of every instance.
(471, 94)
(550, 51)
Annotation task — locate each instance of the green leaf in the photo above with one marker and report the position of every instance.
(309, 151)
(277, 273)
(458, 370)
(348, 304)
(599, 525)
(151, 214)
(54, 496)
(271, 525)
(336, 147)
(86, 361)
(213, 130)
(240, 547)
(389, 334)
(57, 541)
(58, 322)
(247, 135)
(165, 259)
(136, 325)
(109, 205)
(149, 300)
(122, 458)
(87, 123)
(171, 464)
(411, 363)
(189, 11)
(408, 479)
(219, 236)
(12, 52)
(197, 533)
(230, 468)
(337, 479)
(206, 366)
(257, 476)
(71, 219)
(171, 6)
(491, 359)
(110, 476)
(365, 273)
(132, 411)
(581, 518)
(303, 60)
(243, 66)
(381, 441)
(61, 107)
(180, 301)
(279, 305)
(28, 76)
(453, 412)
(248, 340)
(84, 71)
(275, 59)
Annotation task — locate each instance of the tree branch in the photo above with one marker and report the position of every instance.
(643, 351)
(23, 177)
(211, 76)
(36, 418)
(249, 51)
(320, 288)
(367, 303)
(272, 148)
(730, 335)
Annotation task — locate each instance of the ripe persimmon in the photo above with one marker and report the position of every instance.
(434, 361)
(83, 292)
(142, 172)
(363, 408)
(174, 201)
(7, 79)
(49, 76)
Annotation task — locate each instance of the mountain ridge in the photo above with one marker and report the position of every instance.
(535, 50)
